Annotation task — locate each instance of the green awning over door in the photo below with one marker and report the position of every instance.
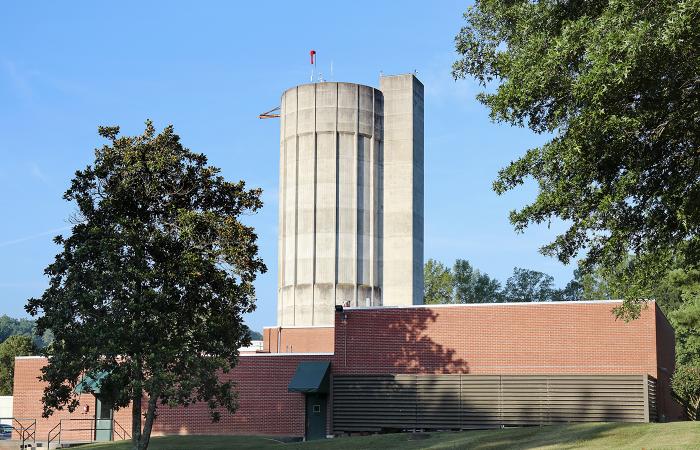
(91, 383)
(311, 377)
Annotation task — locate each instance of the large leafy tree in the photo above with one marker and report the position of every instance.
(527, 285)
(616, 84)
(473, 286)
(439, 283)
(13, 346)
(151, 285)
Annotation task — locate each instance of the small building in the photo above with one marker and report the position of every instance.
(428, 367)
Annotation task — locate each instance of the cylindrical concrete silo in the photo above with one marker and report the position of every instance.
(330, 224)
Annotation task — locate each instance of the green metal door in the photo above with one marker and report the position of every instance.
(103, 421)
(316, 416)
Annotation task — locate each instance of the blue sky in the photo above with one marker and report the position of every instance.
(210, 68)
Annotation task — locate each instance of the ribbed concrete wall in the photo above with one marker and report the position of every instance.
(330, 236)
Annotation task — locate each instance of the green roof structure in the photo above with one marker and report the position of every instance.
(311, 377)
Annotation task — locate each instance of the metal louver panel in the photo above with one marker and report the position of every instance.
(384, 402)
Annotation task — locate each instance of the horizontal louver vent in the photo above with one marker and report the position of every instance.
(385, 402)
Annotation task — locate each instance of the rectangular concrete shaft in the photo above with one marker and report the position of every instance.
(402, 278)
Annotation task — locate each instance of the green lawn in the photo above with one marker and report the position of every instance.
(684, 435)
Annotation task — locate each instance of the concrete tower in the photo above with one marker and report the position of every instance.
(348, 196)
(402, 190)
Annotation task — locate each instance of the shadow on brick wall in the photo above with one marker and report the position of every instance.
(416, 351)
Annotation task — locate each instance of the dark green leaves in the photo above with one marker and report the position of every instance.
(617, 84)
(153, 281)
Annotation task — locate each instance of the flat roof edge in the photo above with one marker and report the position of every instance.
(256, 355)
(482, 305)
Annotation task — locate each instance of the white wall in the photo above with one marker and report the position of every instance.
(6, 408)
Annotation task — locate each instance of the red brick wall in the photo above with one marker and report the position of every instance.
(298, 340)
(533, 338)
(27, 395)
(525, 338)
(265, 406)
(546, 338)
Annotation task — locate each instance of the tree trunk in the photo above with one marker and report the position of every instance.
(148, 425)
(136, 419)
(137, 397)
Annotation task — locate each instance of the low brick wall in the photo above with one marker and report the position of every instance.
(581, 338)
(265, 406)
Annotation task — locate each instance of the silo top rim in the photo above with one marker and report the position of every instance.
(330, 82)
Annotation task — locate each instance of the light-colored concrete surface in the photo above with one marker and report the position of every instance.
(403, 190)
(330, 201)
(351, 198)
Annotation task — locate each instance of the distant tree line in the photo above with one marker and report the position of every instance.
(9, 326)
(17, 338)
(463, 283)
(255, 335)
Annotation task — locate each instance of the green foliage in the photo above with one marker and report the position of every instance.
(616, 85)
(255, 335)
(466, 284)
(686, 322)
(472, 286)
(603, 283)
(572, 291)
(528, 286)
(152, 283)
(23, 327)
(10, 348)
(686, 386)
(438, 283)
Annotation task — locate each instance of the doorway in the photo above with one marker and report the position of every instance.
(316, 416)
(103, 420)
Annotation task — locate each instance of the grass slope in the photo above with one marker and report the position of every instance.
(684, 435)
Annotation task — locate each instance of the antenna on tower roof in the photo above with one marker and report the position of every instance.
(312, 54)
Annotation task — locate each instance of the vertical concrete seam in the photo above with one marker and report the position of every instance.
(296, 206)
(336, 139)
(356, 190)
(372, 214)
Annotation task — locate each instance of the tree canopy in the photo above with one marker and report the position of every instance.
(438, 283)
(464, 283)
(152, 282)
(473, 286)
(10, 326)
(617, 87)
(527, 285)
(13, 346)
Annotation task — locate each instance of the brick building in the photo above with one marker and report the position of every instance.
(396, 353)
